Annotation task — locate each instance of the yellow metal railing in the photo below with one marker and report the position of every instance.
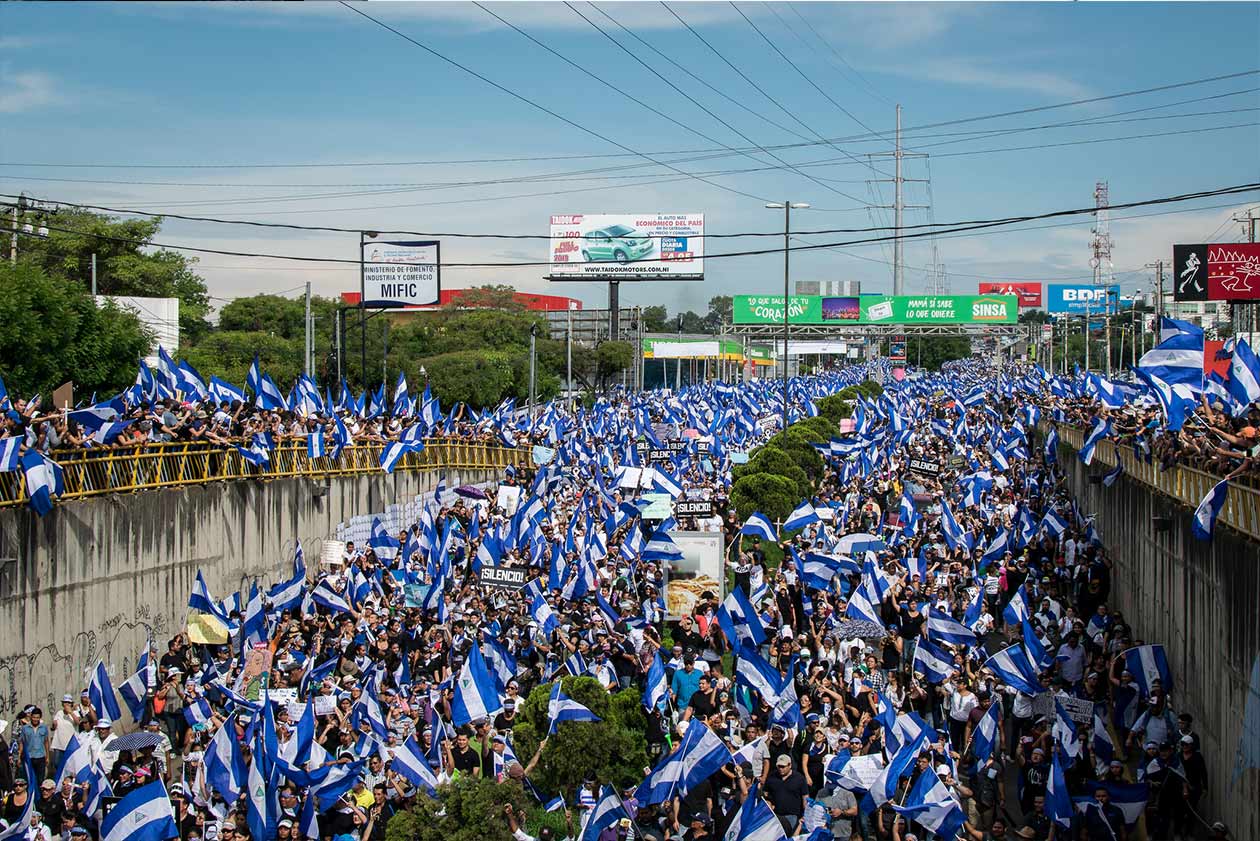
(95, 472)
(1184, 484)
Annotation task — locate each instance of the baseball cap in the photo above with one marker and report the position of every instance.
(104, 723)
(1187, 740)
(66, 699)
(783, 760)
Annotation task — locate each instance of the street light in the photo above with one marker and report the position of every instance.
(787, 208)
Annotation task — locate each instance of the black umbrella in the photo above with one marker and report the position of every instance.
(860, 629)
(471, 492)
(135, 741)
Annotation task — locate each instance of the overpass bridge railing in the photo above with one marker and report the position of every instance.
(97, 472)
(1184, 484)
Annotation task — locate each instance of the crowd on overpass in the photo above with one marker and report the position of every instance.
(924, 648)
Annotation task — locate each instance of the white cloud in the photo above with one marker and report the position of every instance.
(970, 73)
(25, 90)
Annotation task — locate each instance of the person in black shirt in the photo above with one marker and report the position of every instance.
(786, 790)
(703, 701)
(463, 758)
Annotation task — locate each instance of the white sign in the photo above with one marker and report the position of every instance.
(508, 498)
(627, 246)
(700, 570)
(400, 274)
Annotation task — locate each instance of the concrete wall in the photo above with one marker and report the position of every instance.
(1202, 602)
(95, 578)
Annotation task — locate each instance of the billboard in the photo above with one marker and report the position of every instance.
(878, 309)
(1221, 272)
(400, 274)
(627, 246)
(1029, 294)
(1078, 298)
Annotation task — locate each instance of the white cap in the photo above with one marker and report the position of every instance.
(942, 770)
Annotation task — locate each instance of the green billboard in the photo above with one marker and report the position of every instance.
(878, 309)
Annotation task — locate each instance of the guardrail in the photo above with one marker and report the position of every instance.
(96, 472)
(1184, 484)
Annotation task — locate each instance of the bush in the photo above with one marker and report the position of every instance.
(613, 748)
(871, 388)
(799, 444)
(468, 809)
(774, 461)
(835, 408)
(774, 496)
(819, 425)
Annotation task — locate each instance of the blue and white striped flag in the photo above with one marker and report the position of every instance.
(476, 695)
(759, 525)
(1015, 668)
(755, 820)
(561, 707)
(606, 812)
(315, 445)
(101, 693)
(1149, 663)
(143, 814)
(700, 755)
(1204, 521)
(802, 516)
(411, 764)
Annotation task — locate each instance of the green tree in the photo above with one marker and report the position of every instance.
(52, 332)
(774, 496)
(612, 749)
(496, 296)
(469, 809)
(479, 378)
(721, 308)
(122, 268)
(655, 319)
(691, 323)
(611, 358)
(933, 351)
(774, 461)
(229, 353)
(835, 408)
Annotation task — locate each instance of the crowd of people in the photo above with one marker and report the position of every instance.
(924, 649)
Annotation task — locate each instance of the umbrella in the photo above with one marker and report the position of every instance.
(135, 741)
(471, 492)
(860, 629)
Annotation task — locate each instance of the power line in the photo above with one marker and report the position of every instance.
(837, 54)
(736, 235)
(956, 228)
(539, 106)
(693, 101)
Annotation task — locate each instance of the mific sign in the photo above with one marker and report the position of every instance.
(401, 274)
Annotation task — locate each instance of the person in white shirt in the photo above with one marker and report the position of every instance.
(65, 723)
(96, 746)
(1071, 659)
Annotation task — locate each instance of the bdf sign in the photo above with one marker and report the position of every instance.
(1076, 299)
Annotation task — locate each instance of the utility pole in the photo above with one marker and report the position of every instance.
(678, 361)
(899, 205)
(786, 207)
(337, 329)
(93, 275)
(306, 359)
(568, 354)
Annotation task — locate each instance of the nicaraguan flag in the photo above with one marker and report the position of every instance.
(657, 691)
(699, 756)
(985, 738)
(101, 693)
(755, 820)
(606, 812)
(315, 445)
(802, 516)
(43, 481)
(759, 525)
(1149, 663)
(135, 690)
(931, 805)
(1170, 327)
(933, 662)
(1178, 360)
(942, 627)
(1015, 668)
(1209, 509)
(1129, 798)
(561, 707)
(475, 693)
(1099, 431)
(1052, 446)
(410, 763)
(739, 620)
(1058, 800)
(225, 763)
(288, 595)
(144, 814)
(10, 454)
(884, 786)
(325, 596)
(1112, 475)
(1244, 377)
(1017, 610)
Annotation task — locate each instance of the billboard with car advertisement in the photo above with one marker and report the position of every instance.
(1079, 298)
(1222, 272)
(1029, 294)
(627, 246)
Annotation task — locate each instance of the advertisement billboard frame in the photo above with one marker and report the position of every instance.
(392, 303)
(1031, 293)
(1220, 271)
(1058, 304)
(704, 558)
(911, 310)
(659, 240)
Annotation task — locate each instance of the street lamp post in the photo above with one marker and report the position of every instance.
(363, 238)
(786, 207)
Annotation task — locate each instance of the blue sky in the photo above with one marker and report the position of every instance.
(179, 84)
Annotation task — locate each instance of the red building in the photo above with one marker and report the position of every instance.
(539, 303)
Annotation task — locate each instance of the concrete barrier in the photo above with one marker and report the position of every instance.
(96, 578)
(1202, 602)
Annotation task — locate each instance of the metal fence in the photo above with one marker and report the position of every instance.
(95, 472)
(1184, 484)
